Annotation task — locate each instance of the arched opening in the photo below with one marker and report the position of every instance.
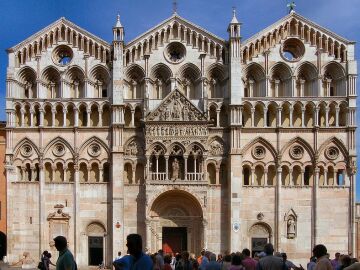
(96, 237)
(94, 173)
(70, 116)
(161, 74)
(138, 117)
(271, 177)
(308, 176)
(190, 75)
(246, 115)
(127, 117)
(223, 117)
(285, 114)
(83, 116)
(246, 175)
(217, 82)
(36, 115)
(27, 80)
(343, 113)
(322, 115)
(332, 115)
(260, 235)
(83, 173)
(76, 83)
(255, 81)
(259, 115)
(296, 176)
(331, 176)
(180, 226)
(51, 78)
(128, 173)
(94, 116)
(59, 172)
(101, 79)
(106, 116)
(271, 115)
(307, 81)
(335, 80)
(281, 81)
(27, 116)
(47, 116)
(285, 176)
(48, 172)
(70, 172)
(106, 172)
(139, 173)
(59, 116)
(297, 115)
(259, 175)
(213, 116)
(211, 171)
(135, 86)
(309, 115)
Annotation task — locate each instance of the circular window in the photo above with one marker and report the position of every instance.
(332, 153)
(292, 50)
(26, 150)
(259, 152)
(94, 150)
(59, 150)
(296, 152)
(62, 55)
(175, 52)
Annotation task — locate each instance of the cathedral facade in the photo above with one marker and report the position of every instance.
(186, 138)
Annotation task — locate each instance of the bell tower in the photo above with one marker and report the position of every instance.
(236, 85)
(118, 44)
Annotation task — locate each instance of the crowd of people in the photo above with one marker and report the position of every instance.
(137, 259)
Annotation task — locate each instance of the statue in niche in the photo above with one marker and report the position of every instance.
(291, 228)
(186, 114)
(167, 114)
(175, 169)
(176, 114)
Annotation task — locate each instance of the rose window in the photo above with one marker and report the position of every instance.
(26, 150)
(59, 150)
(259, 152)
(175, 52)
(94, 150)
(296, 152)
(332, 153)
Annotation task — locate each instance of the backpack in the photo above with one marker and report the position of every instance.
(41, 265)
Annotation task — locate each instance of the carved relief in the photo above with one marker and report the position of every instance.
(332, 153)
(296, 152)
(291, 224)
(176, 107)
(58, 223)
(58, 150)
(259, 152)
(134, 149)
(176, 130)
(94, 150)
(26, 150)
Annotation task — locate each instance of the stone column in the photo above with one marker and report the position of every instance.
(218, 118)
(41, 117)
(302, 177)
(265, 117)
(166, 167)
(22, 111)
(337, 116)
(302, 117)
(291, 115)
(64, 117)
(100, 119)
(314, 208)
(252, 117)
(132, 124)
(279, 124)
(278, 214)
(252, 180)
(31, 117)
(326, 181)
(277, 83)
(88, 117)
(302, 87)
(327, 116)
(53, 111)
(251, 88)
(76, 115)
(185, 172)
(148, 235)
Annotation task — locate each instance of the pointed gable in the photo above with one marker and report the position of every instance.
(295, 25)
(181, 23)
(176, 107)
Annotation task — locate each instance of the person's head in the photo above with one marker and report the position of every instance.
(227, 258)
(207, 254)
(119, 253)
(246, 252)
(256, 256)
(220, 257)
(284, 256)
(319, 251)
(269, 249)
(161, 252)
(167, 259)
(185, 255)
(134, 244)
(178, 256)
(48, 255)
(236, 260)
(337, 255)
(212, 257)
(202, 252)
(346, 261)
(60, 243)
(45, 252)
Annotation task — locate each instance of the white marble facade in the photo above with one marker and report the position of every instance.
(240, 142)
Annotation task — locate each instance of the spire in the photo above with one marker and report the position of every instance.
(175, 7)
(234, 19)
(118, 23)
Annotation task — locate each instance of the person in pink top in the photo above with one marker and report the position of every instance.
(248, 262)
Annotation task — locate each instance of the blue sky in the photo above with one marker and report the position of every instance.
(22, 18)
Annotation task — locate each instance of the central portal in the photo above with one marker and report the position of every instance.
(174, 239)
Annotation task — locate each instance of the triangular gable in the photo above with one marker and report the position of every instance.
(174, 108)
(181, 21)
(54, 25)
(288, 18)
